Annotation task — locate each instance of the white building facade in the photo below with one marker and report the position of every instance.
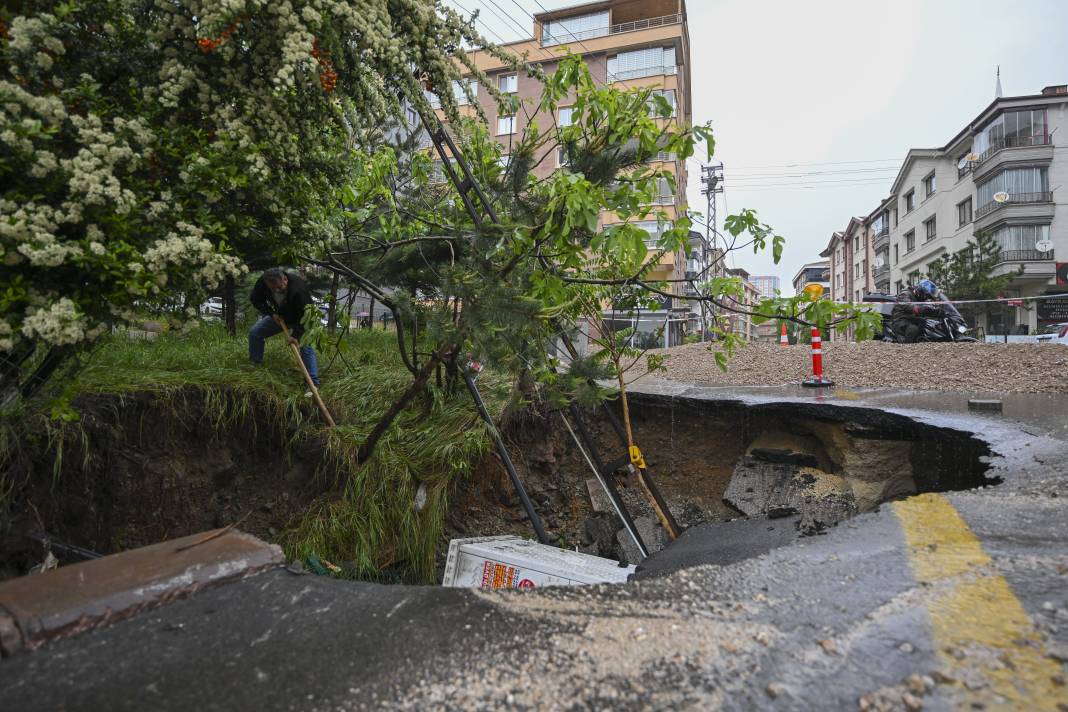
(1002, 175)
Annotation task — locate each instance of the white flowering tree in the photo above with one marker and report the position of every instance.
(148, 146)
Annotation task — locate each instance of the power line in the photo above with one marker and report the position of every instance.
(815, 173)
(506, 18)
(479, 19)
(821, 163)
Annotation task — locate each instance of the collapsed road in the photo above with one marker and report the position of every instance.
(941, 600)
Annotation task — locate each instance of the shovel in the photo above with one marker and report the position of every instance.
(307, 377)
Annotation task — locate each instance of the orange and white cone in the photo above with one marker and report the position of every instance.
(783, 339)
(817, 380)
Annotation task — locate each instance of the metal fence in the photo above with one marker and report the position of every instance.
(1044, 197)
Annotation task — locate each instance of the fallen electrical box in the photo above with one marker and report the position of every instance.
(513, 562)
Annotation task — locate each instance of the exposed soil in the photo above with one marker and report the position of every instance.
(1008, 368)
(147, 471)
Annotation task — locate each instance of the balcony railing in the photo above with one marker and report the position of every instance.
(642, 72)
(880, 272)
(883, 232)
(1043, 139)
(566, 36)
(1024, 256)
(993, 205)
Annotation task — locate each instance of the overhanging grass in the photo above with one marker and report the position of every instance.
(369, 525)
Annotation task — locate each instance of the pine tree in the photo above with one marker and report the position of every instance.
(969, 274)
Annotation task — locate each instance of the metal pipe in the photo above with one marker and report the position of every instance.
(502, 451)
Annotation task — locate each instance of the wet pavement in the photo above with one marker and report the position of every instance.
(950, 601)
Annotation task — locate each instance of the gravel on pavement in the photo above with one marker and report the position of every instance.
(1008, 368)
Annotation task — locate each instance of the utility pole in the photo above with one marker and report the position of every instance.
(711, 184)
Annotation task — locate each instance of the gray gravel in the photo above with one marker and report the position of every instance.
(1008, 368)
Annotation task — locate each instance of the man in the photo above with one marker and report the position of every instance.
(284, 296)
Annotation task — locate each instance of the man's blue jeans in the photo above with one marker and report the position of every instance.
(266, 328)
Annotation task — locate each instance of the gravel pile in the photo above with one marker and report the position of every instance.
(1009, 368)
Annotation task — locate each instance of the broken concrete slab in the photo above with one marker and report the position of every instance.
(760, 489)
(599, 500)
(720, 543)
(72, 599)
(653, 536)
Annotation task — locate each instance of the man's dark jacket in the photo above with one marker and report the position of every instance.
(298, 296)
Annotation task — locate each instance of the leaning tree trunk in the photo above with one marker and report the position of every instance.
(230, 306)
(331, 309)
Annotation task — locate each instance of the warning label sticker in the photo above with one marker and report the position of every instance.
(495, 575)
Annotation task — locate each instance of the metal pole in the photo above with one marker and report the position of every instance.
(502, 451)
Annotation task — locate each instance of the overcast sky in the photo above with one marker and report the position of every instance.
(815, 104)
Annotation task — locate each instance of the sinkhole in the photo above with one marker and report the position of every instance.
(743, 478)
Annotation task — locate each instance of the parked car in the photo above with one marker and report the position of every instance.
(212, 308)
(1053, 334)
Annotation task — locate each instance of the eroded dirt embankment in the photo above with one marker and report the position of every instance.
(141, 468)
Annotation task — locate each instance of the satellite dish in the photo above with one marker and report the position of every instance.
(962, 163)
(1044, 245)
(1001, 196)
(879, 262)
(972, 157)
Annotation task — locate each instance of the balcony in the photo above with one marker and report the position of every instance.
(1012, 142)
(1018, 198)
(880, 272)
(633, 26)
(1025, 256)
(881, 241)
(640, 72)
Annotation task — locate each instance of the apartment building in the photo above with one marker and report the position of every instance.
(850, 254)
(1001, 174)
(627, 44)
(742, 324)
(814, 273)
(766, 284)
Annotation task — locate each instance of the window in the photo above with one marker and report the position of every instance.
(561, 156)
(504, 161)
(668, 94)
(1013, 128)
(929, 186)
(864, 268)
(964, 212)
(653, 228)
(574, 29)
(641, 63)
(505, 125)
(930, 229)
(664, 194)
(910, 241)
(856, 244)
(459, 93)
(566, 116)
(914, 277)
(895, 217)
(1020, 238)
(666, 156)
(858, 296)
(508, 83)
(1023, 184)
(897, 257)
(899, 287)
(856, 270)
(910, 201)
(412, 116)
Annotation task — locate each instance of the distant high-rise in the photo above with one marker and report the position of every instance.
(767, 284)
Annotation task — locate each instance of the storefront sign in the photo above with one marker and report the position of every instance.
(1062, 273)
(1053, 309)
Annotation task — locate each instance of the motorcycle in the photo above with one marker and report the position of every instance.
(924, 313)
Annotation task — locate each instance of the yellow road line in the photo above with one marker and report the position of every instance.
(984, 637)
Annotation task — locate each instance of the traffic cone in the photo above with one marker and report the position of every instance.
(783, 339)
(817, 380)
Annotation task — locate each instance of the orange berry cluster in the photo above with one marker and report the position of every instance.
(207, 44)
(327, 77)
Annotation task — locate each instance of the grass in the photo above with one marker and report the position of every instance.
(368, 526)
